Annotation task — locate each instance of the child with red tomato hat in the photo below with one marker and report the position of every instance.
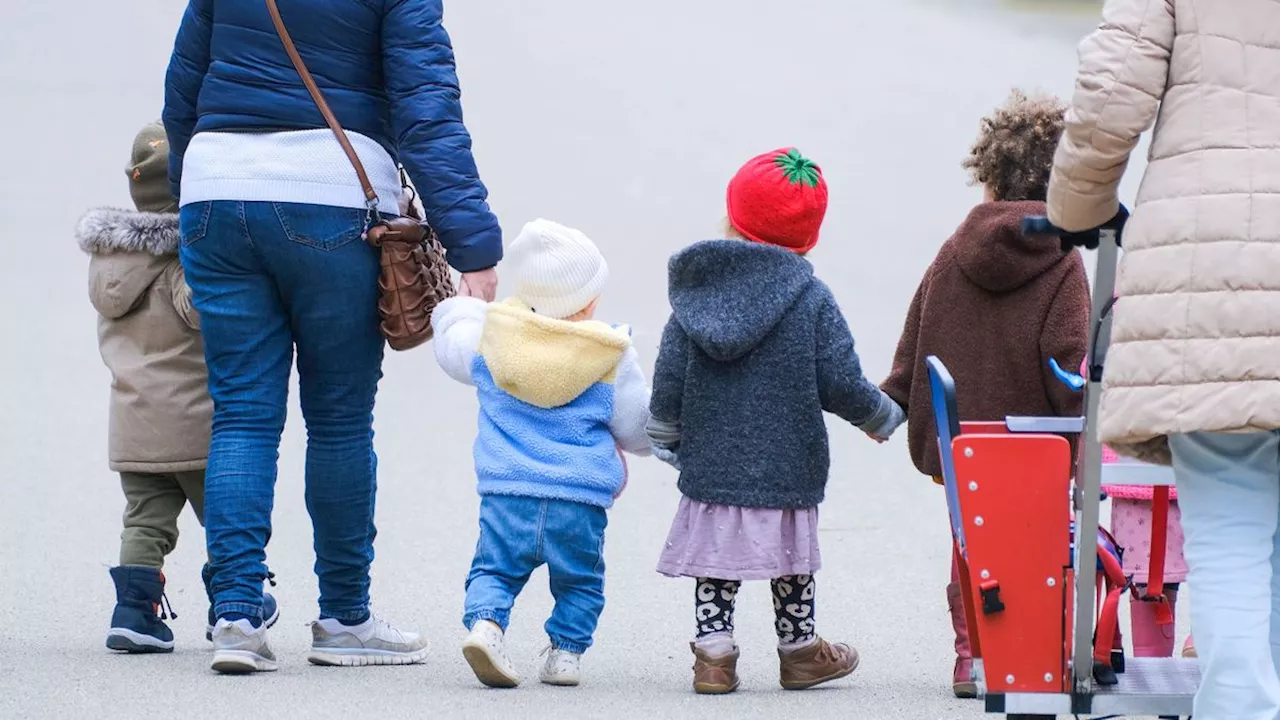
(755, 351)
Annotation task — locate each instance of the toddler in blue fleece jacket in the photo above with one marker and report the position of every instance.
(560, 396)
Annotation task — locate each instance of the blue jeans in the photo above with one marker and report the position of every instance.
(266, 278)
(1229, 494)
(518, 534)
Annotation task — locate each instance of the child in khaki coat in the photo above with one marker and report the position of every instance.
(161, 412)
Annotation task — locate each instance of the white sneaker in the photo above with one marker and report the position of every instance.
(239, 647)
(372, 642)
(561, 668)
(486, 652)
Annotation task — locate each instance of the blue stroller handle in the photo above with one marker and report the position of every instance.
(1087, 239)
(1040, 226)
(1070, 379)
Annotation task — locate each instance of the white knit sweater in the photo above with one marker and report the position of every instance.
(301, 166)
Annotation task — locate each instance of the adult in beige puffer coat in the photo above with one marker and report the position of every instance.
(1193, 376)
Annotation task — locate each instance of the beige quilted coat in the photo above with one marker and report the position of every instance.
(1196, 339)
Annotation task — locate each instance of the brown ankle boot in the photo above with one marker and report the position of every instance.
(714, 675)
(816, 664)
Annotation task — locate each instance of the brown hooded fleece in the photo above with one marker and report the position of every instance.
(995, 307)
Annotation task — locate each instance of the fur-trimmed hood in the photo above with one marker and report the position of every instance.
(149, 337)
(112, 230)
(128, 251)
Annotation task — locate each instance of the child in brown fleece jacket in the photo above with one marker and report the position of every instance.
(995, 307)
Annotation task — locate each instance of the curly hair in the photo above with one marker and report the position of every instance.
(1014, 151)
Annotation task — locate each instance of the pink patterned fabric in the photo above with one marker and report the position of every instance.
(1135, 492)
(1131, 527)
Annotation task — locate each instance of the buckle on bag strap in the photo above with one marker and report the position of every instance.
(371, 216)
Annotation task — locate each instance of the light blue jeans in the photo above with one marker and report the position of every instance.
(517, 534)
(1229, 492)
(270, 279)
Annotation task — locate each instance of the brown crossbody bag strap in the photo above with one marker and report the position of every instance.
(370, 196)
(414, 275)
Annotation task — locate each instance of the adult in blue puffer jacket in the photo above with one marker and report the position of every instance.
(271, 220)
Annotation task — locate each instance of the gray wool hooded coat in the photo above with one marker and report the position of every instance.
(755, 350)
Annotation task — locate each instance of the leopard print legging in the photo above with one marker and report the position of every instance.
(793, 600)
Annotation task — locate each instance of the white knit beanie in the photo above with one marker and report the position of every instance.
(557, 270)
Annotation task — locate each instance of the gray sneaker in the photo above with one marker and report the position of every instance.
(239, 648)
(373, 642)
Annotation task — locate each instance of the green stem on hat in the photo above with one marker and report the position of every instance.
(798, 168)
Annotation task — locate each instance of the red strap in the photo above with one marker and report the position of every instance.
(1111, 569)
(1107, 636)
(1159, 540)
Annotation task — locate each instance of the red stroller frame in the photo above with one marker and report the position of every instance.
(1028, 587)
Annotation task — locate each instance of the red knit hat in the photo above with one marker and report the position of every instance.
(779, 198)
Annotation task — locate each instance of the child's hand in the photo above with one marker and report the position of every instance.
(667, 455)
(886, 419)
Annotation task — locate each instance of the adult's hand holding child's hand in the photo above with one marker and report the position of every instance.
(481, 284)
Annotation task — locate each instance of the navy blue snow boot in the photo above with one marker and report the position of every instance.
(137, 625)
(270, 609)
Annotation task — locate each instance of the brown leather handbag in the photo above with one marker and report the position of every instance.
(415, 277)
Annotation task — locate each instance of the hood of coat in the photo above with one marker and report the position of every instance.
(991, 251)
(546, 362)
(112, 230)
(728, 295)
(128, 250)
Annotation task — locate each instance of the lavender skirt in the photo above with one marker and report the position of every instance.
(728, 542)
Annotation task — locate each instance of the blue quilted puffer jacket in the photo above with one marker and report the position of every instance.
(386, 68)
